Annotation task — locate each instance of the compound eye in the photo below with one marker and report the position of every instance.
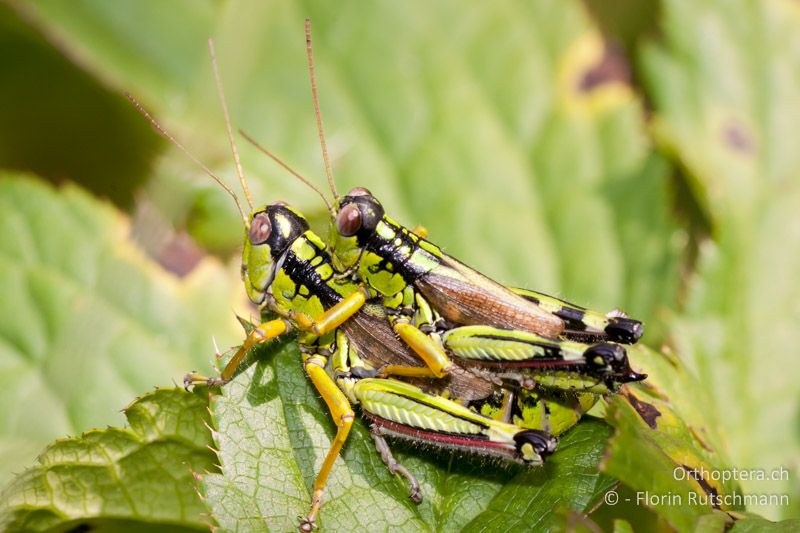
(348, 221)
(260, 229)
(359, 191)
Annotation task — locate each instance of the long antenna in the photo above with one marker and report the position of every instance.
(221, 96)
(317, 113)
(188, 154)
(290, 169)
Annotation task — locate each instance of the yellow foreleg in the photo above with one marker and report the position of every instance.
(333, 317)
(262, 333)
(343, 416)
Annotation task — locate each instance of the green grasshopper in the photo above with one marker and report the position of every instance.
(424, 288)
(425, 292)
(400, 265)
(288, 272)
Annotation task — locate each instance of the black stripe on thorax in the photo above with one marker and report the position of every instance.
(395, 258)
(301, 272)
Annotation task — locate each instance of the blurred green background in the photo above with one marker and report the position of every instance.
(640, 155)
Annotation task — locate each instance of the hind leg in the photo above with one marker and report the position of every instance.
(391, 463)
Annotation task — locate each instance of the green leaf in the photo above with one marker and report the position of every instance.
(497, 135)
(87, 322)
(726, 92)
(403, 132)
(273, 430)
(137, 477)
(757, 524)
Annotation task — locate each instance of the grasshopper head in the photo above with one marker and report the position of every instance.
(357, 215)
(269, 234)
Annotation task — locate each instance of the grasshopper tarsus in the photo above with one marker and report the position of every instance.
(193, 378)
(189, 379)
(414, 491)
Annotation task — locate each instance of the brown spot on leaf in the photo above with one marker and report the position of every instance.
(738, 138)
(612, 68)
(647, 411)
(708, 489)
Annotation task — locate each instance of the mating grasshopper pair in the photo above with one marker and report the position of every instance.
(478, 406)
(430, 349)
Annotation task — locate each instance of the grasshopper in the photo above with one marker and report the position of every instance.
(288, 272)
(424, 288)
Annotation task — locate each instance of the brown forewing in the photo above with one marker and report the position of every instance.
(465, 297)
